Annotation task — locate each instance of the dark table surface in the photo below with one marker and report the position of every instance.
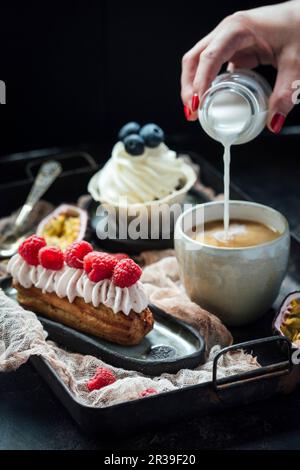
(32, 418)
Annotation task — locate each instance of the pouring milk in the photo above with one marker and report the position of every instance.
(234, 111)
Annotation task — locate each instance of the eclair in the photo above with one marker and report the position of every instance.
(90, 291)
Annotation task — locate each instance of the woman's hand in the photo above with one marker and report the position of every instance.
(267, 35)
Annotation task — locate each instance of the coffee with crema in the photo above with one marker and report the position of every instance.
(241, 234)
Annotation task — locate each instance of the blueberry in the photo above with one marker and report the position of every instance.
(130, 128)
(134, 144)
(152, 135)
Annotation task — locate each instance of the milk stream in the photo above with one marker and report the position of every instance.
(227, 158)
(229, 115)
(234, 111)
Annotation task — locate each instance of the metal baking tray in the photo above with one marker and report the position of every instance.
(277, 375)
(17, 172)
(181, 404)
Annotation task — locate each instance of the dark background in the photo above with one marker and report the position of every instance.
(77, 70)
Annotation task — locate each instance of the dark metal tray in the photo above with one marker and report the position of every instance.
(17, 174)
(181, 404)
(277, 374)
(171, 345)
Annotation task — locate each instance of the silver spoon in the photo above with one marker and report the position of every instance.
(47, 174)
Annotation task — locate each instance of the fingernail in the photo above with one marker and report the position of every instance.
(195, 103)
(187, 112)
(277, 122)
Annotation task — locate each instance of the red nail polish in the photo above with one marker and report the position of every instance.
(277, 122)
(195, 103)
(187, 112)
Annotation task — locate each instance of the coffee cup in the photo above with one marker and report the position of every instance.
(238, 284)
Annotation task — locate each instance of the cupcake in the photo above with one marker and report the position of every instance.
(142, 186)
(142, 171)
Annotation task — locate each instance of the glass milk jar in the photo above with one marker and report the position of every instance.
(235, 107)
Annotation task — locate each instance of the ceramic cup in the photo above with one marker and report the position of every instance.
(236, 284)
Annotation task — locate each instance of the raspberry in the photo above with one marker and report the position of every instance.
(99, 266)
(126, 273)
(102, 378)
(51, 257)
(120, 256)
(75, 253)
(29, 249)
(147, 392)
(88, 261)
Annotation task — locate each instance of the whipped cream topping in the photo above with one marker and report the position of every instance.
(72, 283)
(151, 176)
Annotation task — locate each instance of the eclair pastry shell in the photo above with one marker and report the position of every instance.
(99, 321)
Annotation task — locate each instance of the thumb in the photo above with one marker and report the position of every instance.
(283, 98)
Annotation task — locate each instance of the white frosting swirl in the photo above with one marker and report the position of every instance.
(149, 177)
(72, 283)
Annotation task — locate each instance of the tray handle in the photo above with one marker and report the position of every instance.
(268, 371)
(89, 162)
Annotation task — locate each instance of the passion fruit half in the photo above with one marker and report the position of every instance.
(65, 225)
(287, 320)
